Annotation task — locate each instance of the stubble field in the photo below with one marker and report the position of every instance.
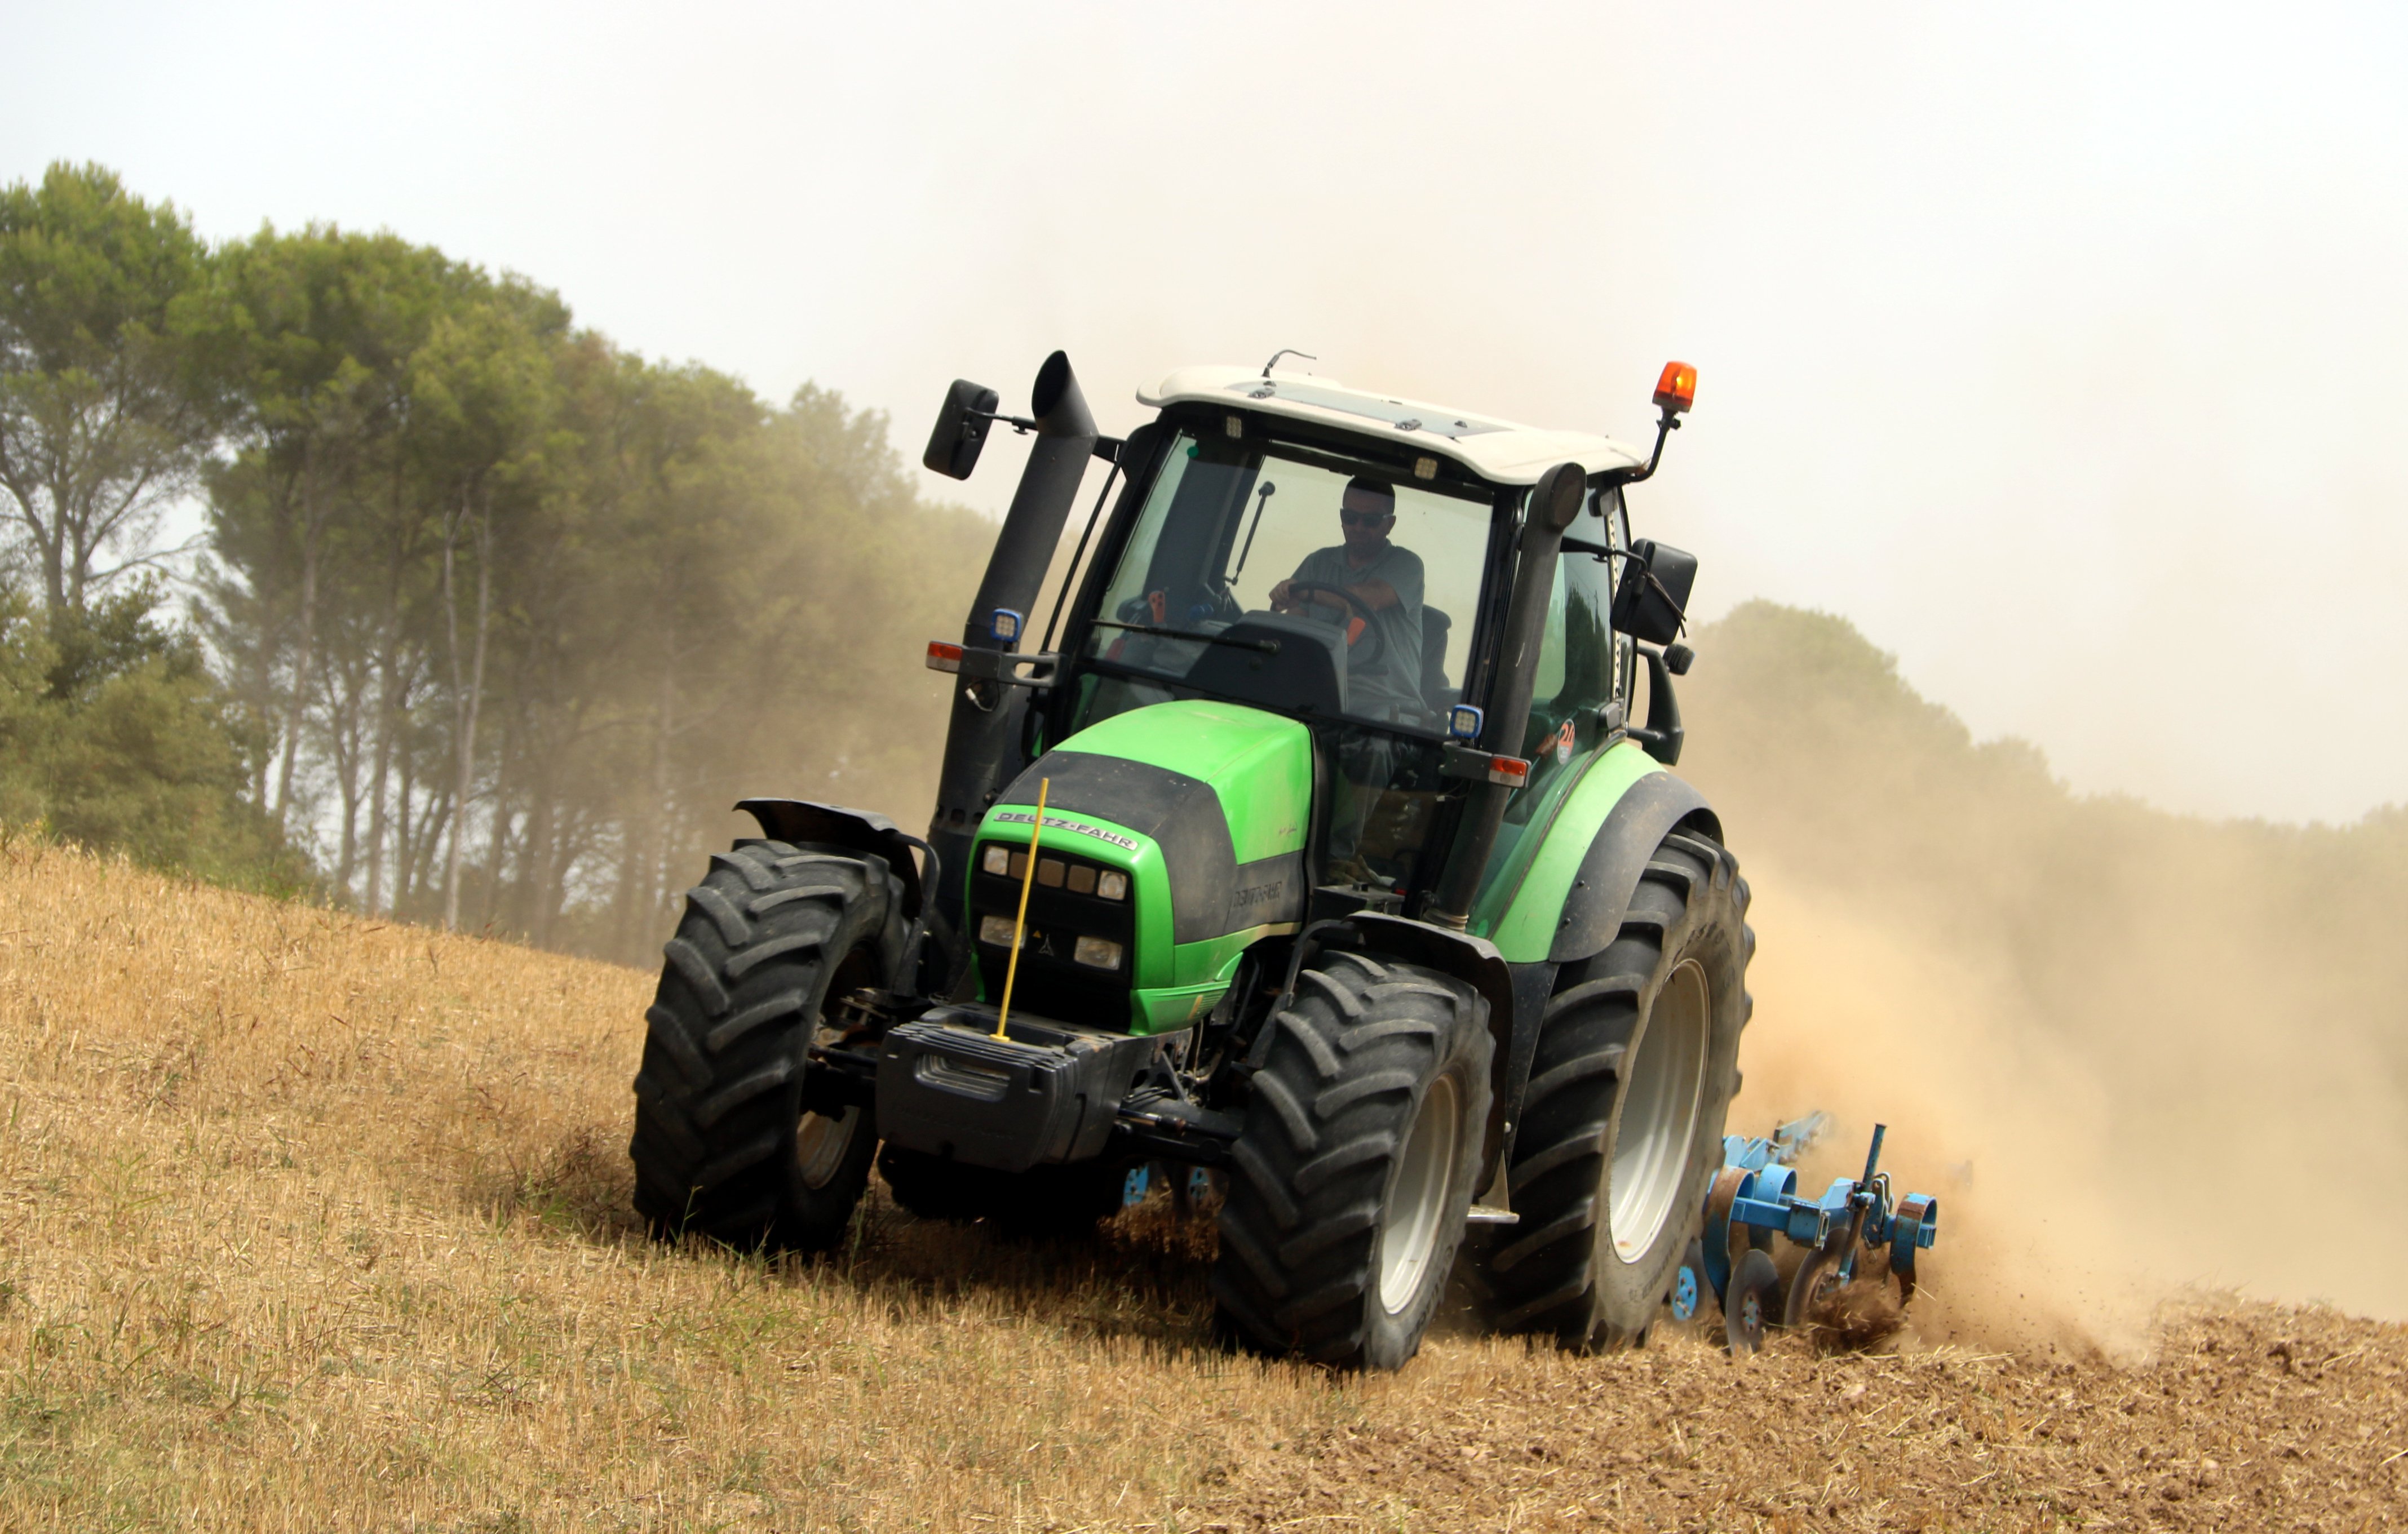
(311, 1222)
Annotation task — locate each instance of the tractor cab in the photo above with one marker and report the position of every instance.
(1364, 571)
(1344, 560)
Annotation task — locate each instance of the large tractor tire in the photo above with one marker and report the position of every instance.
(1622, 1123)
(1064, 1202)
(1348, 1186)
(723, 1146)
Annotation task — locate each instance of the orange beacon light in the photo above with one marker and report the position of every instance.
(1676, 388)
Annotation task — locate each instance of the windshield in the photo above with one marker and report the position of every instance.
(1296, 579)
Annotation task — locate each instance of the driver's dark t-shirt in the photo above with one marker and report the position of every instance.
(1388, 687)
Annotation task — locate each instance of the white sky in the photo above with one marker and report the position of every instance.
(2060, 346)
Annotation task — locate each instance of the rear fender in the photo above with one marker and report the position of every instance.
(1648, 810)
(1593, 909)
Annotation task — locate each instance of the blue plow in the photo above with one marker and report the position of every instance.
(1754, 1202)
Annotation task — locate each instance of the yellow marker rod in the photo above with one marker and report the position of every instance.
(1020, 923)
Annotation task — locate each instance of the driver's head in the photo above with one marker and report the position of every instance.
(1368, 511)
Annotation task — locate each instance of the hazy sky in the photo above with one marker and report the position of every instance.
(2060, 346)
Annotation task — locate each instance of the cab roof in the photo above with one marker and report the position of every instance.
(1498, 450)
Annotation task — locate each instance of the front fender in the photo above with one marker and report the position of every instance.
(1472, 960)
(1475, 962)
(832, 824)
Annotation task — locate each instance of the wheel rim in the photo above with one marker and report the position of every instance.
(1417, 1196)
(1658, 1115)
(820, 1145)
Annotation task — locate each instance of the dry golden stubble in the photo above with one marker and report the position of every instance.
(312, 1222)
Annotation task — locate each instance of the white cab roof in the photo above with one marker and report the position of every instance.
(1494, 450)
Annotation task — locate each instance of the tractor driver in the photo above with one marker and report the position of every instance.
(1385, 582)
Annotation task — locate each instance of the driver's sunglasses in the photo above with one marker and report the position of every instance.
(1363, 519)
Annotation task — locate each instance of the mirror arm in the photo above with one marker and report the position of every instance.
(1661, 737)
(1021, 425)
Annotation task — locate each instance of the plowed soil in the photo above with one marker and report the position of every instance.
(2247, 1417)
(313, 1223)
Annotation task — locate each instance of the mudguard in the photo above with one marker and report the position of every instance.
(832, 824)
(1592, 910)
(1472, 960)
(1609, 875)
(1475, 962)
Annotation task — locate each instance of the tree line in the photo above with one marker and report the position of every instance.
(489, 620)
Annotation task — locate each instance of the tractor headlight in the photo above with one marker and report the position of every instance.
(996, 930)
(1098, 953)
(1112, 885)
(996, 858)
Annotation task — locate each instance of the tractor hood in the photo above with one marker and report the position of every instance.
(1214, 799)
(1205, 805)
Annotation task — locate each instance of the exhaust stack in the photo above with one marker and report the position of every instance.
(983, 740)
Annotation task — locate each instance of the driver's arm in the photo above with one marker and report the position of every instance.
(1373, 595)
(1376, 594)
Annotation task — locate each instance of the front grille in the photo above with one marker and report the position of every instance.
(1052, 983)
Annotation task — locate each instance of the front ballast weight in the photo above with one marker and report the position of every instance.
(948, 1086)
(1755, 1200)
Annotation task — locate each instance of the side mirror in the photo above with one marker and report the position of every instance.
(1653, 598)
(961, 429)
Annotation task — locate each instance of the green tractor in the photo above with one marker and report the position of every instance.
(1356, 895)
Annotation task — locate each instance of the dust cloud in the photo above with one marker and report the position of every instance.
(2133, 1054)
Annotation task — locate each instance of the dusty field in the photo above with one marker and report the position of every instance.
(308, 1224)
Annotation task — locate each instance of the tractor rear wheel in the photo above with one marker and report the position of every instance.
(723, 1146)
(1622, 1123)
(1348, 1186)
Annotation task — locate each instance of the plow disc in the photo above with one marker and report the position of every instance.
(1754, 1199)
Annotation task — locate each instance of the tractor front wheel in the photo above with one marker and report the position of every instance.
(1349, 1184)
(723, 1146)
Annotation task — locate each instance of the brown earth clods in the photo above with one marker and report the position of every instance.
(2247, 1417)
(313, 1223)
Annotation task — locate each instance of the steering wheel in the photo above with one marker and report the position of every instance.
(1363, 641)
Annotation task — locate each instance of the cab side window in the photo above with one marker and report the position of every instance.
(1579, 665)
